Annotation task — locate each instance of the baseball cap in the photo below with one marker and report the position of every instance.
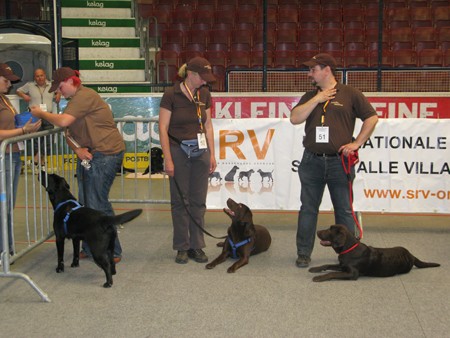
(7, 72)
(202, 67)
(60, 75)
(323, 59)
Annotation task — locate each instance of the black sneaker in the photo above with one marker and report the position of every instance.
(197, 255)
(182, 257)
(302, 261)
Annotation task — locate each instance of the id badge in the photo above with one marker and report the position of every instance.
(21, 145)
(202, 141)
(322, 134)
(43, 107)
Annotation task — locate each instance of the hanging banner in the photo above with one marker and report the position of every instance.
(404, 166)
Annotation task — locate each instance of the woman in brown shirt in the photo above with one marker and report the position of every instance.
(185, 114)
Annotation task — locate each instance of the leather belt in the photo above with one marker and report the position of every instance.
(324, 155)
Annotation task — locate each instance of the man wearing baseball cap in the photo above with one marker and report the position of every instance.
(330, 112)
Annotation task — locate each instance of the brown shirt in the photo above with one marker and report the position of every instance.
(340, 116)
(184, 124)
(94, 126)
(7, 122)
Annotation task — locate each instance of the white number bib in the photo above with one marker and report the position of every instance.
(322, 134)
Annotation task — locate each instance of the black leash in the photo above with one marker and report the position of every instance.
(190, 215)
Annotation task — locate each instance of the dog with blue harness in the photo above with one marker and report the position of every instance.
(74, 221)
(244, 238)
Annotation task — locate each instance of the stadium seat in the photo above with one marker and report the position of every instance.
(186, 55)
(308, 35)
(425, 38)
(354, 39)
(386, 58)
(286, 36)
(285, 59)
(398, 17)
(242, 36)
(288, 14)
(404, 58)
(441, 16)
(173, 36)
(430, 58)
(204, 16)
(331, 35)
(238, 59)
(356, 58)
(182, 14)
(246, 15)
(401, 38)
(443, 36)
(225, 16)
(219, 36)
(421, 17)
(256, 59)
(167, 64)
(446, 58)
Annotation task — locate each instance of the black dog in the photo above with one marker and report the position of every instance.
(71, 220)
(156, 161)
(230, 176)
(357, 259)
(244, 237)
(266, 174)
(247, 174)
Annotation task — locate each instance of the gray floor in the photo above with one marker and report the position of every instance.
(154, 297)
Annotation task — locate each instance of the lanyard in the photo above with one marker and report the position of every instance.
(324, 110)
(8, 105)
(197, 102)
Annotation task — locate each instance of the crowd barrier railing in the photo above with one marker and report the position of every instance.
(32, 217)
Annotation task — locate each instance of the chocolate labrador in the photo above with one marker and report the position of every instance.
(357, 259)
(244, 237)
(72, 220)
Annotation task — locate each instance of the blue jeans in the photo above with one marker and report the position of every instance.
(13, 165)
(94, 186)
(315, 173)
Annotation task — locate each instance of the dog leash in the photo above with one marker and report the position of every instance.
(190, 215)
(352, 159)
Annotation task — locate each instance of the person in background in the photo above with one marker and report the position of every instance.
(330, 112)
(36, 93)
(8, 129)
(92, 134)
(185, 114)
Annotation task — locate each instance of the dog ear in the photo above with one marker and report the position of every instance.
(338, 237)
(249, 229)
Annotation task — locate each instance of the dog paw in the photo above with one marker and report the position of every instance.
(107, 285)
(315, 269)
(231, 270)
(75, 265)
(319, 279)
(209, 266)
(60, 268)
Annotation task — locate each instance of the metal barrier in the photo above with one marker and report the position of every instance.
(32, 226)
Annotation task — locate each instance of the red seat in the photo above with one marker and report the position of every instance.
(430, 58)
(242, 36)
(446, 58)
(197, 36)
(404, 58)
(425, 38)
(246, 15)
(354, 39)
(386, 58)
(326, 47)
(286, 36)
(219, 36)
(421, 17)
(225, 16)
(238, 59)
(145, 10)
(186, 55)
(443, 35)
(182, 15)
(173, 36)
(204, 16)
(256, 59)
(441, 16)
(285, 59)
(287, 14)
(161, 15)
(356, 58)
(308, 35)
(401, 38)
(398, 17)
(167, 64)
(331, 35)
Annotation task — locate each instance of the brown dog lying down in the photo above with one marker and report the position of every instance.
(357, 259)
(244, 238)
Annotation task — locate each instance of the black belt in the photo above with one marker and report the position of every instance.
(323, 154)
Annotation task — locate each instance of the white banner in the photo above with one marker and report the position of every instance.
(404, 167)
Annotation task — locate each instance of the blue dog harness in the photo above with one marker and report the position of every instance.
(236, 246)
(66, 218)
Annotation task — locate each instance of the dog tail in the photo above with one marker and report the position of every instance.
(123, 218)
(421, 265)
